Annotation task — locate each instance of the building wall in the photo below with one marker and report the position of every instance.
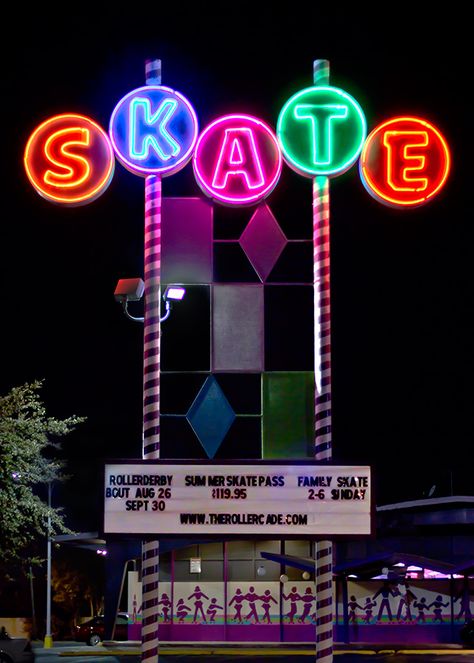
(238, 596)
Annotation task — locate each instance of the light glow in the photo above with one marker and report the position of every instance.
(175, 292)
(405, 162)
(69, 159)
(248, 162)
(153, 130)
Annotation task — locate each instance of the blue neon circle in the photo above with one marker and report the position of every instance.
(153, 130)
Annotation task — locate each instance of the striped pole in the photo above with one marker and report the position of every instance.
(151, 350)
(322, 375)
(151, 385)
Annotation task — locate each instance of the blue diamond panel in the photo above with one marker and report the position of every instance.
(210, 416)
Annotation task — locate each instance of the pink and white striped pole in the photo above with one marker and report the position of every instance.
(151, 385)
(322, 373)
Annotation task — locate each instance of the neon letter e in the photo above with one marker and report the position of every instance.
(403, 161)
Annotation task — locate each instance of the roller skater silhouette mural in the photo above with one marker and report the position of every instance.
(397, 603)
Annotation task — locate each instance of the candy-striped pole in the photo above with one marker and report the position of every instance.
(322, 374)
(151, 385)
(151, 349)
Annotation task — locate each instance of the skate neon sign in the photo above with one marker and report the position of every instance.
(237, 158)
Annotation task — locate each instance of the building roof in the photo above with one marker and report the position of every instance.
(369, 566)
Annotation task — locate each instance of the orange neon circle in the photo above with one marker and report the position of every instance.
(404, 162)
(69, 159)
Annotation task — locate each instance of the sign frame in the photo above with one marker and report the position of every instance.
(220, 536)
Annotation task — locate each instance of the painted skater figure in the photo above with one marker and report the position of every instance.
(212, 609)
(293, 597)
(421, 605)
(437, 612)
(166, 603)
(465, 610)
(406, 600)
(198, 595)
(266, 598)
(385, 591)
(307, 599)
(251, 597)
(368, 607)
(134, 609)
(182, 610)
(352, 605)
(238, 600)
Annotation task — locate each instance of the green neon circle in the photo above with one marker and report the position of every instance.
(321, 131)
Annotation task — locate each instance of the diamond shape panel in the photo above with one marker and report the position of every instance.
(263, 240)
(210, 416)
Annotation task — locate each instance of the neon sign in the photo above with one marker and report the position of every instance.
(153, 130)
(237, 160)
(321, 130)
(405, 162)
(69, 159)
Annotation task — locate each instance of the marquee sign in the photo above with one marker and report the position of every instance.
(268, 498)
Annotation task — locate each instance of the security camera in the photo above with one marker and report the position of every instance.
(129, 290)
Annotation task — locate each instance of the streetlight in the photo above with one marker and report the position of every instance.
(48, 638)
(16, 476)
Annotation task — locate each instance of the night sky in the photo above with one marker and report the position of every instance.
(401, 282)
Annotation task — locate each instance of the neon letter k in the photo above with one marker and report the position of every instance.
(148, 131)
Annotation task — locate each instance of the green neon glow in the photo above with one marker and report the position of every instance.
(321, 131)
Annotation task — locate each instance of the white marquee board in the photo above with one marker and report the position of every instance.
(261, 498)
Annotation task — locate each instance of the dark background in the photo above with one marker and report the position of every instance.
(401, 281)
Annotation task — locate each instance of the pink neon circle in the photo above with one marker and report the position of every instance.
(237, 160)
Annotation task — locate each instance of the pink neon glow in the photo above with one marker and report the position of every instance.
(237, 160)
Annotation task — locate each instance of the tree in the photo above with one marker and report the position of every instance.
(78, 587)
(28, 444)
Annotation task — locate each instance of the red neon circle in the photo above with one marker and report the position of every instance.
(237, 160)
(69, 159)
(405, 162)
